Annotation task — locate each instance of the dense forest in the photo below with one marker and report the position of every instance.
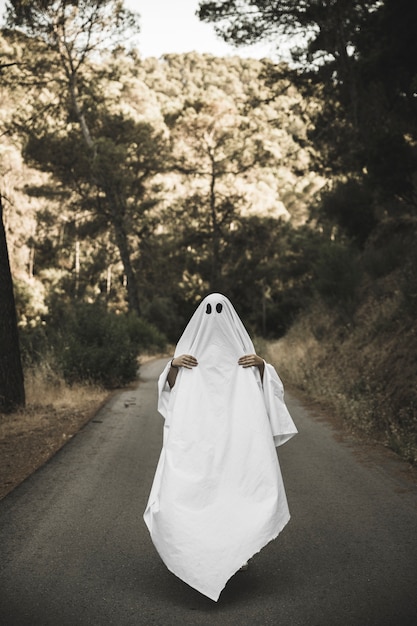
(133, 186)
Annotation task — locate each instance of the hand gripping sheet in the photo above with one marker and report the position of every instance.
(218, 495)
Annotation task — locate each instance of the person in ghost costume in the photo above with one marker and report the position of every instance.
(217, 497)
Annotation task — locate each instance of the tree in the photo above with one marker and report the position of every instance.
(238, 150)
(321, 34)
(386, 51)
(12, 392)
(215, 146)
(73, 32)
(362, 57)
(114, 188)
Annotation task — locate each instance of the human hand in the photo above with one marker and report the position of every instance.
(185, 360)
(251, 360)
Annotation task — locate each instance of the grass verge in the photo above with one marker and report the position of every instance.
(54, 412)
(364, 371)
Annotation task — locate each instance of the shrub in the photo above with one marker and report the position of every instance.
(34, 344)
(380, 261)
(169, 314)
(337, 275)
(349, 206)
(144, 335)
(102, 347)
(409, 283)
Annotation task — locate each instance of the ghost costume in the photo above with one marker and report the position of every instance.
(218, 495)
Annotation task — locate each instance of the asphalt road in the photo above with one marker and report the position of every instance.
(74, 550)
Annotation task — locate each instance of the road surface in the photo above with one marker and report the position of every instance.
(74, 550)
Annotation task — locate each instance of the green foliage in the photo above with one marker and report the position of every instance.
(268, 272)
(35, 345)
(349, 206)
(169, 314)
(152, 182)
(193, 160)
(337, 276)
(103, 347)
(145, 335)
(100, 353)
(135, 191)
(379, 262)
(392, 165)
(92, 24)
(326, 28)
(88, 343)
(409, 284)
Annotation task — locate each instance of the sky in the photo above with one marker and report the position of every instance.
(171, 26)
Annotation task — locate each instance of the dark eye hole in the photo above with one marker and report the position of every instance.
(208, 309)
(219, 308)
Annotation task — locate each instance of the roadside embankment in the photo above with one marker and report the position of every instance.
(364, 369)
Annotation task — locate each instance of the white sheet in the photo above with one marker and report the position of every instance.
(218, 495)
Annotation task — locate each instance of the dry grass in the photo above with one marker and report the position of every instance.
(365, 371)
(54, 412)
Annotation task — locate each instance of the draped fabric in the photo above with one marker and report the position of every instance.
(218, 495)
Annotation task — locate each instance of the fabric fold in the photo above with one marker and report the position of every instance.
(218, 496)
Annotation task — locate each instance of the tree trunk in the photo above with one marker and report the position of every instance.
(125, 255)
(347, 69)
(215, 233)
(131, 285)
(12, 391)
(116, 209)
(73, 90)
(77, 267)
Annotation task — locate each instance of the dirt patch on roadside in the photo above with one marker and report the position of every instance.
(54, 413)
(28, 438)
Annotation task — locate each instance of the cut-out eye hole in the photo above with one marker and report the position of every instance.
(208, 308)
(219, 308)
